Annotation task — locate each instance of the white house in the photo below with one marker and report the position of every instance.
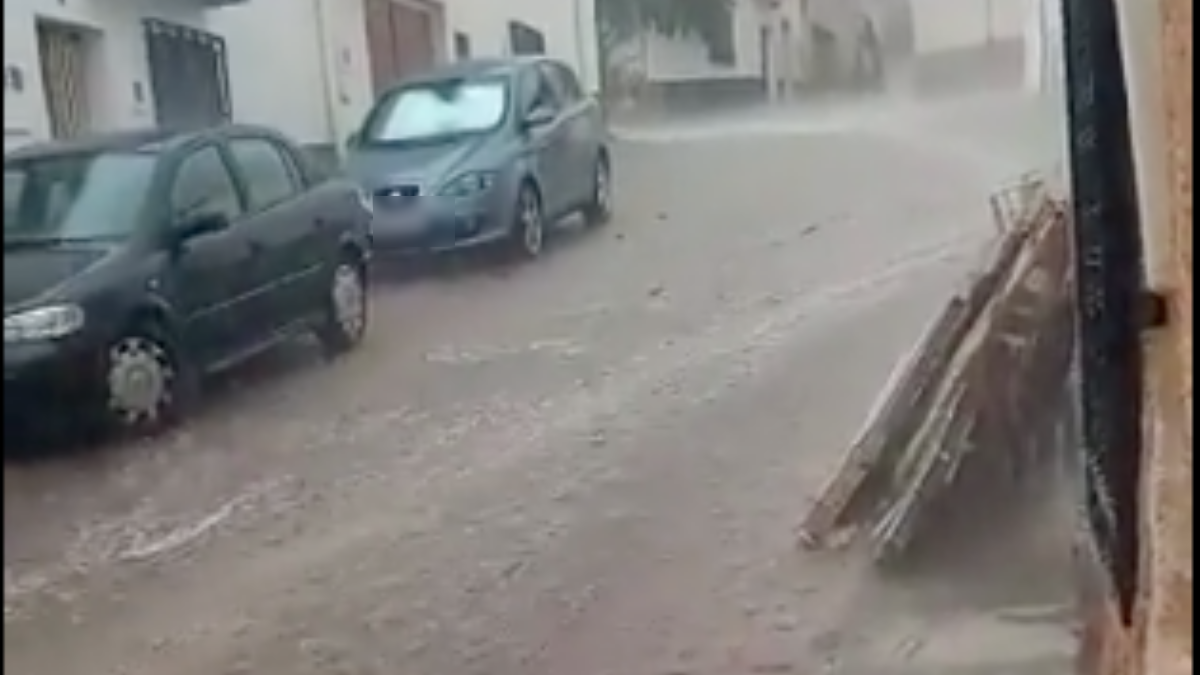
(308, 67)
(76, 65)
(962, 44)
(313, 67)
(773, 49)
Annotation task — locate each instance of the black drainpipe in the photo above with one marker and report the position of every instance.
(1110, 282)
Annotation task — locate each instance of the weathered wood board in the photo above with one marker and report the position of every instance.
(971, 386)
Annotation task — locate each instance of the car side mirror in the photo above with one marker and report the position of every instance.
(199, 225)
(538, 116)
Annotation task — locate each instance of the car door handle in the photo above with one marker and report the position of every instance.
(257, 249)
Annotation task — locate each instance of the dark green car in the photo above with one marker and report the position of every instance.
(136, 263)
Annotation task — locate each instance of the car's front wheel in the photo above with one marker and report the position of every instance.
(344, 321)
(528, 235)
(144, 382)
(599, 208)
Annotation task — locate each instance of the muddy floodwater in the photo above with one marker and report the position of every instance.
(591, 465)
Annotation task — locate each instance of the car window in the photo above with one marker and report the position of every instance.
(270, 176)
(544, 93)
(76, 196)
(565, 84)
(203, 184)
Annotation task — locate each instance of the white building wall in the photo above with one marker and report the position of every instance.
(683, 59)
(1044, 46)
(118, 65)
(944, 25)
(789, 51)
(297, 65)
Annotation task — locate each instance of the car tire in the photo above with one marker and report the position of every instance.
(144, 385)
(527, 238)
(344, 317)
(599, 208)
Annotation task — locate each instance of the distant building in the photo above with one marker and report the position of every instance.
(773, 50)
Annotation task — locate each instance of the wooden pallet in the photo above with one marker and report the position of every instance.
(964, 387)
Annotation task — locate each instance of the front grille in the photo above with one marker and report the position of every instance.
(397, 194)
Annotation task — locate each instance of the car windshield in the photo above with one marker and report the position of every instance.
(438, 110)
(75, 197)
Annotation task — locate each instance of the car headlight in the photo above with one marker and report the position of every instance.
(44, 323)
(469, 184)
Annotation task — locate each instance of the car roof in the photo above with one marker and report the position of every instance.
(148, 140)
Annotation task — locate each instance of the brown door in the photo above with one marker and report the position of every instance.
(414, 38)
(380, 44)
(400, 41)
(63, 64)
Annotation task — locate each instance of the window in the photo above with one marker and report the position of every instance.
(438, 110)
(540, 92)
(203, 185)
(462, 46)
(270, 176)
(722, 43)
(80, 196)
(525, 40)
(565, 84)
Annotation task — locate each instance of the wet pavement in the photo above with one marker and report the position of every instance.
(589, 465)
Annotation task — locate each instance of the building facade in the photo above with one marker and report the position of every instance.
(308, 67)
(773, 50)
(316, 78)
(73, 66)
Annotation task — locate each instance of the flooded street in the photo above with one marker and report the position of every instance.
(590, 465)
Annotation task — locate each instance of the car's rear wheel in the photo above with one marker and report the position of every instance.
(144, 382)
(528, 236)
(344, 323)
(599, 208)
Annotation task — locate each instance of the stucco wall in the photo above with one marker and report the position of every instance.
(117, 65)
(947, 25)
(568, 25)
(298, 65)
(686, 58)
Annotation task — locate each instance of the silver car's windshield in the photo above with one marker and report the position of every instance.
(78, 196)
(436, 110)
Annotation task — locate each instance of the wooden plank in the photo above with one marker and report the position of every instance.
(896, 414)
(947, 393)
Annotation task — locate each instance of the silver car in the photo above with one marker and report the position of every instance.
(483, 153)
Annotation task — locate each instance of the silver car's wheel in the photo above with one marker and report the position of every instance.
(599, 210)
(140, 383)
(530, 227)
(349, 301)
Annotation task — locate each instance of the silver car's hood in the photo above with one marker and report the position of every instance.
(386, 166)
